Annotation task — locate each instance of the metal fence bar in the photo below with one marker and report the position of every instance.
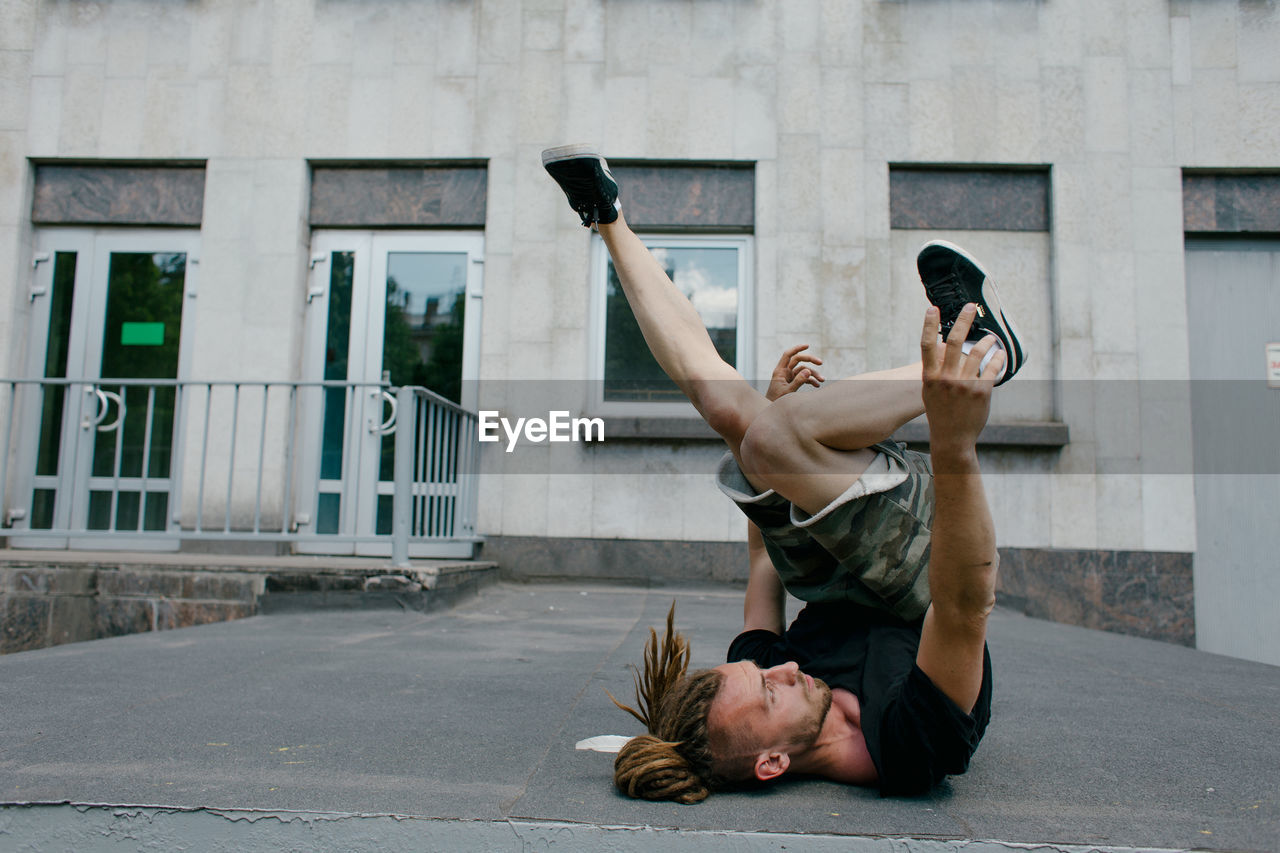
(402, 498)
(262, 446)
(442, 475)
(204, 457)
(286, 505)
(115, 465)
(177, 432)
(473, 477)
(449, 502)
(231, 465)
(420, 464)
(434, 477)
(146, 457)
(6, 448)
(431, 525)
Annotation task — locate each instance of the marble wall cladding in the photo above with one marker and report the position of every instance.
(969, 199)
(717, 197)
(1226, 203)
(118, 195)
(445, 196)
(1141, 593)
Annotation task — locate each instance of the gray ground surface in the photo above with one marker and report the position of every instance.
(473, 713)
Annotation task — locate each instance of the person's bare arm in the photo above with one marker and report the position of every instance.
(765, 602)
(963, 559)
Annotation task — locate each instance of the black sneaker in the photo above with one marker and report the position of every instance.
(584, 176)
(953, 278)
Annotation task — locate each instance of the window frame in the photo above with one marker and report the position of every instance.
(745, 342)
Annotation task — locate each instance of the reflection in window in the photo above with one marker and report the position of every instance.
(55, 367)
(425, 312)
(422, 334)
(711, 279)
(336, 343)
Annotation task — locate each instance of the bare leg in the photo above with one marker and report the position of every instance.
(678, 339)
(811, 447)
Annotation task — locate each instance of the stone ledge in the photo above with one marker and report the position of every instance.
(51, 598)
(1031, 434)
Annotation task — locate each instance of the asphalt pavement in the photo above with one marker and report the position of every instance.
(457, 728)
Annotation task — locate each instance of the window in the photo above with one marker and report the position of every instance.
(714, 273)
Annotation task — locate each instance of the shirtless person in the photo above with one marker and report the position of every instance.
(884, 678)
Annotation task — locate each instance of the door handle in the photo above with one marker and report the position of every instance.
(104, 405)
(388, 426)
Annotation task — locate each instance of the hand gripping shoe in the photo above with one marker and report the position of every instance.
(953, 278)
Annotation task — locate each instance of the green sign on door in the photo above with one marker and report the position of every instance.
(141, 334)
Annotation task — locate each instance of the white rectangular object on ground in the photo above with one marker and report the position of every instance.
(1273, 365)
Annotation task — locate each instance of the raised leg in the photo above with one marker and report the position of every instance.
(809, 447)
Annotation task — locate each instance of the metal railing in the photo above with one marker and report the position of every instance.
(331, 467)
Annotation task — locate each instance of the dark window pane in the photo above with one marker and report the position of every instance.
(383, 524)
(141, 335)
(55, 362)
(422, 333)
(425, 312)
(144, 291)
(42, 503)
(336, 347)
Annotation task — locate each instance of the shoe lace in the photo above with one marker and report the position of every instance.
(949, 295)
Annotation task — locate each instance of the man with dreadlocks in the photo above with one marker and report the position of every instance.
(883, 679)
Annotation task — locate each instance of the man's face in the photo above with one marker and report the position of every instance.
(761, 710)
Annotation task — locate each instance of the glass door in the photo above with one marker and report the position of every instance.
(106, 306)
(385, 310)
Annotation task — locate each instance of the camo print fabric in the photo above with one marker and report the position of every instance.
(870, 549)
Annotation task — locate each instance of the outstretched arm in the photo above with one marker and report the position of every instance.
(963, 559)
(764, 606)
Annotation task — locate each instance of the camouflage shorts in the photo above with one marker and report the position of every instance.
(870, 546)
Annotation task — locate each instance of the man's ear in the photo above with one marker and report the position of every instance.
(771, 765)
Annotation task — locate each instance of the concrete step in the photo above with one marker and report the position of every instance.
(52, 597)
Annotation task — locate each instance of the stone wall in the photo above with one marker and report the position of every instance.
(47, 602)
(1140, 593)
(47, 605)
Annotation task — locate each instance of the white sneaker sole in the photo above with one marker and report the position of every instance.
(569, 152)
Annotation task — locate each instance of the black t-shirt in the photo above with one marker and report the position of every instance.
(915, 734)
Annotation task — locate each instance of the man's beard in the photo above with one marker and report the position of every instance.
(811, 734)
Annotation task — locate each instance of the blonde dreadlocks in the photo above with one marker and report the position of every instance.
(673, 761)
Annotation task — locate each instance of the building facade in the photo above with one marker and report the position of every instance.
(302, 192)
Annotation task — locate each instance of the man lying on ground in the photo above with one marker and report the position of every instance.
(884, 678)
